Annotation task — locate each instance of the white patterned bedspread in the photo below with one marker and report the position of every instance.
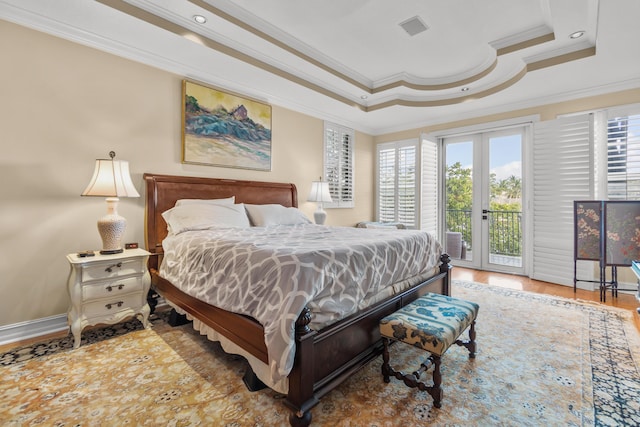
(272, 273)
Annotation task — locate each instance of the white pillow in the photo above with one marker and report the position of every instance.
(265, 215)
(202, 216)
(228, 201)
(381, 226)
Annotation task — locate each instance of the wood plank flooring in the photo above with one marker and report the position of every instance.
(511, 281)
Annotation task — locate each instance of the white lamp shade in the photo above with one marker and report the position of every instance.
(319, 192)
(111, 178)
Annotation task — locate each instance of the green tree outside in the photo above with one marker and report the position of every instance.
(505, 204)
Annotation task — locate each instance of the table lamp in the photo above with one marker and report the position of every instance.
(111, 179)
(320, 194)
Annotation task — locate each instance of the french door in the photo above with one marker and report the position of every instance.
(484, 220)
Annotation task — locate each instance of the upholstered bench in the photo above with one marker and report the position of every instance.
(432, 323)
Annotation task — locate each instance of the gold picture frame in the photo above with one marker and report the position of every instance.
(224, 129)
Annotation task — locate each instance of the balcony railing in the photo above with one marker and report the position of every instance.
(505, 230)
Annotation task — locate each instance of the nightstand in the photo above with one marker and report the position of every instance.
(106, 289)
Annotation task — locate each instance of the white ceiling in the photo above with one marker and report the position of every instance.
(351, 62)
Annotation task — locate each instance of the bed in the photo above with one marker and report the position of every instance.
(323, 357)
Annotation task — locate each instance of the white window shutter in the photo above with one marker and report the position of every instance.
(407, 185)
(562, 172)
(398, 179)
(386, 184)
(338, 165)
(429, 194)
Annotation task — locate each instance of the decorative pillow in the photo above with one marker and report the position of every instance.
(265, 215)
(228, 201)
(202, 216)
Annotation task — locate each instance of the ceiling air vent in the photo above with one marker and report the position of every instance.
(414, 26)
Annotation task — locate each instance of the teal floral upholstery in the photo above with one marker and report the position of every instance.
(433, 322)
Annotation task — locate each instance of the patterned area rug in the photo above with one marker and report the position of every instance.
(541, 361)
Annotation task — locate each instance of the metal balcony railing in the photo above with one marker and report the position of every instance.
(505, 230)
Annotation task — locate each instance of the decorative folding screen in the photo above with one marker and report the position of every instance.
(587, 230)
(607, 231)
(622, 226)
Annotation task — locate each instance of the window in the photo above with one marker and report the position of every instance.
(623, 156)
(338, 164)
(397, 183)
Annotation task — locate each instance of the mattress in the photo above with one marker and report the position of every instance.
(272, 273)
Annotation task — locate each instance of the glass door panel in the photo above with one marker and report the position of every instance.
(504, 216)
(459, 198)
(483, 200)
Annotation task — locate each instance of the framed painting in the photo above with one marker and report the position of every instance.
(223, 129)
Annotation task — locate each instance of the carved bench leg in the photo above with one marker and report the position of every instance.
(386, 368)
(413, 380)
(472, 340)
(470, 344)
(436, 391)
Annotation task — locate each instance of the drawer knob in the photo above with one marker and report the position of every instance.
(110, 268)
(117, 304)
(119, 287)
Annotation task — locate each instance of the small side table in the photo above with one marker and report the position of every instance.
(106, 289)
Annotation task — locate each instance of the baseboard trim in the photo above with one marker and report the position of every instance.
(33, 328)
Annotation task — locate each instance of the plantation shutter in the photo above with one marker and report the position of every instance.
(397, 182)
(407, 185)
(429, 191)
(562, 172)
(623, 157)
(338, 164)
(386, 184)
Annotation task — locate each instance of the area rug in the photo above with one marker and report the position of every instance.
(541, 360)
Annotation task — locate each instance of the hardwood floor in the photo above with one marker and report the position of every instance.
(625, 301)
(511, 281)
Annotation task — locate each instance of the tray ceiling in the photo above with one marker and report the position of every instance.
(354, 62)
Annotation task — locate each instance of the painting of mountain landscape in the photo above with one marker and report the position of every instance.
(221, 129)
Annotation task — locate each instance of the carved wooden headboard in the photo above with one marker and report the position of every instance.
(164, 190)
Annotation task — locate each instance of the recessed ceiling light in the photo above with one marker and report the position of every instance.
(364, 97)
(577, 34)
(199, 19)
(464, 89)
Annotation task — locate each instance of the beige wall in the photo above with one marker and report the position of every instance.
(62, 105)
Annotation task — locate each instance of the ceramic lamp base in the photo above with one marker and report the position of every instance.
(320, 216)
(111, 228)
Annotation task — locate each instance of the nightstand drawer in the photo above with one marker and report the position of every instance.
(114, 268)
(112, 288)
(111, 306)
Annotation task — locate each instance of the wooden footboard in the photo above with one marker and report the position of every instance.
(326, 358)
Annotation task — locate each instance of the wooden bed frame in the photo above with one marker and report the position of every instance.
(323, 358)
